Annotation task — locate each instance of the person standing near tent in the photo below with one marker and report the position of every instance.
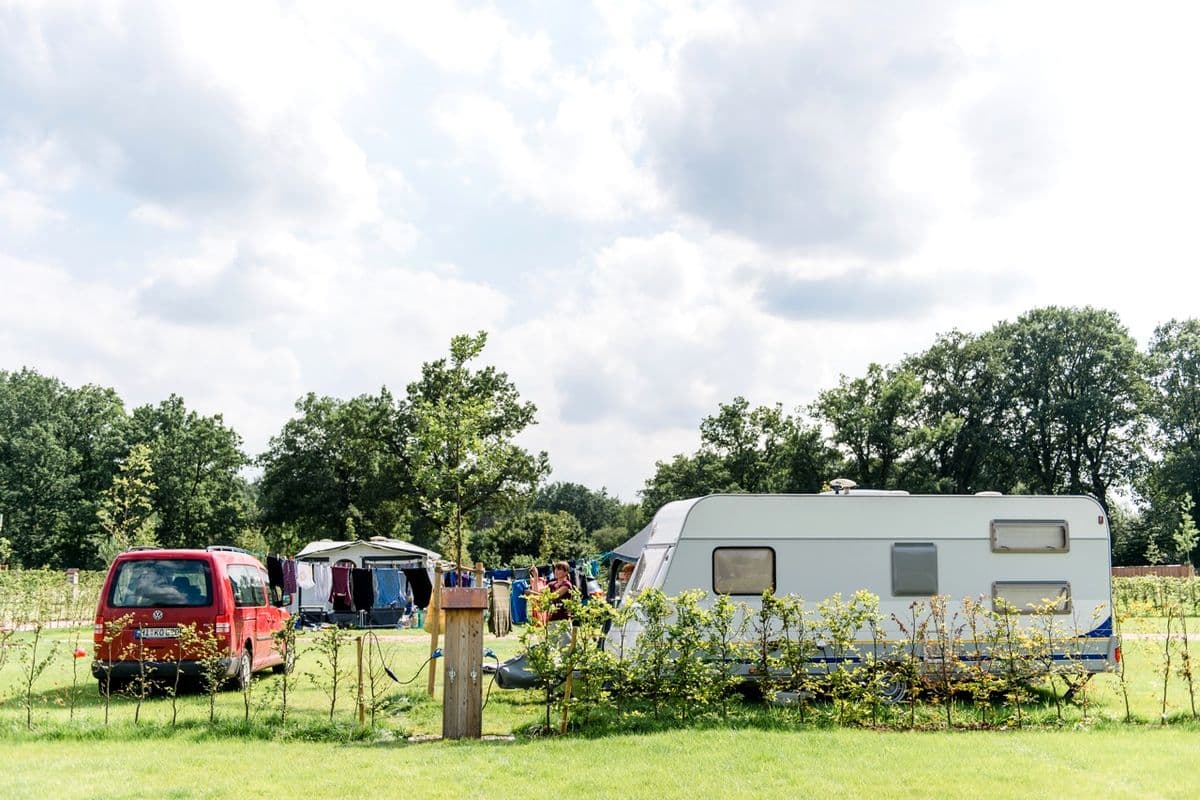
(560, 587)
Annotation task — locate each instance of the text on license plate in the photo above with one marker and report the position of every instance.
(156, 633)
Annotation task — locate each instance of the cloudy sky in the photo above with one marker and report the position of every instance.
(651, 207)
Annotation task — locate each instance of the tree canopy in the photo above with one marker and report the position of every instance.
(1059, 400)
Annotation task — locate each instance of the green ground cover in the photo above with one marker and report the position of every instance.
(756, 751)
(1110, 763)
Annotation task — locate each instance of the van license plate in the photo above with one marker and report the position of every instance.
(156, 633)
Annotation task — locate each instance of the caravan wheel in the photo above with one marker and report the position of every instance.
(894, 689)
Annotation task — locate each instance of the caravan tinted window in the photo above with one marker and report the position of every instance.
(1030, 536)
(743, 570)
(1029, 597)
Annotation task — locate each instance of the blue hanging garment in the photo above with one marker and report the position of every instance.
(520, 612)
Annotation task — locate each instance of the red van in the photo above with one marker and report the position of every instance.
(222, 590)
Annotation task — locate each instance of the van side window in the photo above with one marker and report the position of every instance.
(914, 569)
(1031, 597)
(743, 570)
(1030, 536)
(248, 587)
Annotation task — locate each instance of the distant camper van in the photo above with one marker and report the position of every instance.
(221, 590)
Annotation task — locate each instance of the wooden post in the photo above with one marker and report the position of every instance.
(362, 708)
(434, 612)
(570, 680)
(462, 688)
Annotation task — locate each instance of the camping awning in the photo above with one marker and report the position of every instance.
(631, 549)
(394, 547)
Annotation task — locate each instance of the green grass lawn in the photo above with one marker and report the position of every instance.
(758, 751)
(1133, 763)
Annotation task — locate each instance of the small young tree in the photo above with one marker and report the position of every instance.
(723, 645)
(126, 511)
(652, 664)
(33, 664)
(285, 643)
(113, 629)
(143, 682)
(208, 652)
(1185, 535)
(690, 682)
(910, 667)
(544, 649)
(464, 461)
(328, 646)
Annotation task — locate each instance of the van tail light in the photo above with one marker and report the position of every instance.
(221, 625)
(98, 630)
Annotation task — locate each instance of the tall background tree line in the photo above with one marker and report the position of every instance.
(1062, 400)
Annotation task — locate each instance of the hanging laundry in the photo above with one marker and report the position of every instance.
(500, 608)
(389, 588)
(362, 588)
(304, 575)
(520, 609)
(340, 594)
(421, 583)
(289, 576)
(322, 592)
(275, 578)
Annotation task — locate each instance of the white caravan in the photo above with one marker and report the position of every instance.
(1013, 550)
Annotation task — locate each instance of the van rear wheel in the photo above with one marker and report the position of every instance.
(245, 671)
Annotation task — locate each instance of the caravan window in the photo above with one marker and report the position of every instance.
(743, 570)
(914, 569)
(647, 569)
(1030, 536)
(1027, 597)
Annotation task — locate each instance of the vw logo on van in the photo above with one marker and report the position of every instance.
(157, 614)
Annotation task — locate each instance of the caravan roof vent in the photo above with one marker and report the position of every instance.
(989, 494)
(842, 485)
(380, 539)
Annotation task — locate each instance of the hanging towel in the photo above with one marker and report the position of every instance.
(304, 575)
(520, 611)
(340, 595)
(388, 591)
(322, 585)
(289, 576)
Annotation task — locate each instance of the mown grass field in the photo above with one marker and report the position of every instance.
(757, 751)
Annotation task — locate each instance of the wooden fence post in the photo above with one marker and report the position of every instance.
(435, 603)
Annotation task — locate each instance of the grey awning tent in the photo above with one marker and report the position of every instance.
(631, 549)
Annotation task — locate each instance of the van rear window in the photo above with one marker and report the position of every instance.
(161, 583)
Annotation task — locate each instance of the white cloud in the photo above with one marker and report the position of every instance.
(225, 112)
(157, 216)
(578, 162)
(23, 212)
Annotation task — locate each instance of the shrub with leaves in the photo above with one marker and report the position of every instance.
(34, 661)
(332, 671)
(210, 656)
